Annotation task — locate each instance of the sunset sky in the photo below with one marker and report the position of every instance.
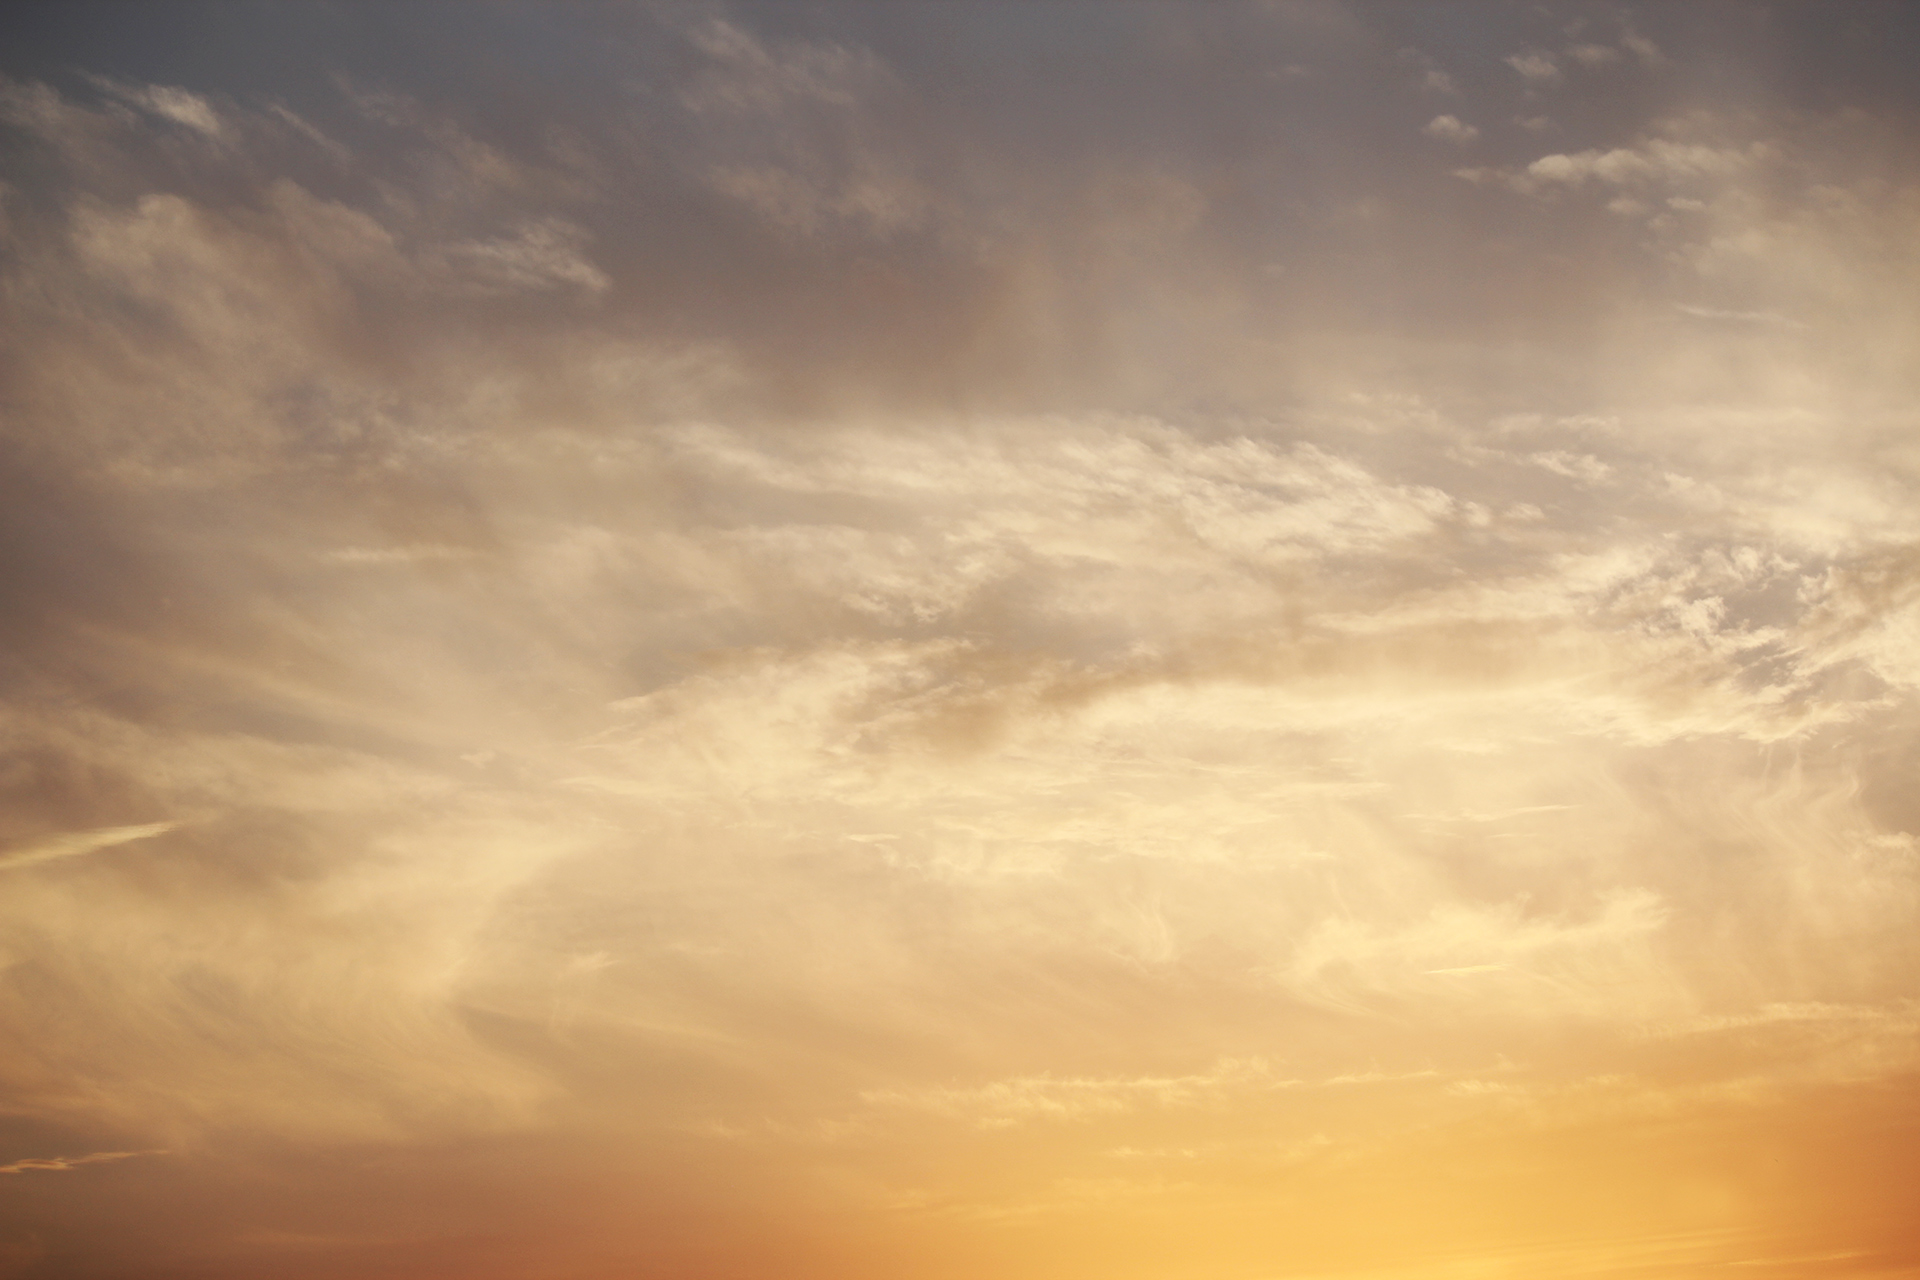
(960, 641)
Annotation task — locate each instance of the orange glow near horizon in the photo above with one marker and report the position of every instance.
(1269, 641)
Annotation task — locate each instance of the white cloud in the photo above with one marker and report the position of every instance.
(1535, 67)
(168, 102)
(1450, 129)
(1130, 502)
(1660, 158)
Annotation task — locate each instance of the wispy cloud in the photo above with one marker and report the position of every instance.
(56, 1164)
(76, 844)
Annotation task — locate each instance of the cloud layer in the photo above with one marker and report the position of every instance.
(861, 641)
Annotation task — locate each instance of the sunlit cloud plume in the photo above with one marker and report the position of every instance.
(75, 844)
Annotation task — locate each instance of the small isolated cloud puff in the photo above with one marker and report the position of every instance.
(1450, 129)
(1535, 66)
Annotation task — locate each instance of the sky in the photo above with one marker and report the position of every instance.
(931, 641)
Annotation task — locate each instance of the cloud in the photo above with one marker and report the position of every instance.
(1356, 961)
(170, 102)
(74, 844)
(844, 171)
(1659, 159)
(1642, 48)
(1901, 1019)
(1575, 466)
(61, 1163)
(1648, 164)
(544, 255)
(801, 203)
(746, 75)
(1741, 317)
(1449, 129)
(1535, 67)
(1004, 1102)
(908, 556)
